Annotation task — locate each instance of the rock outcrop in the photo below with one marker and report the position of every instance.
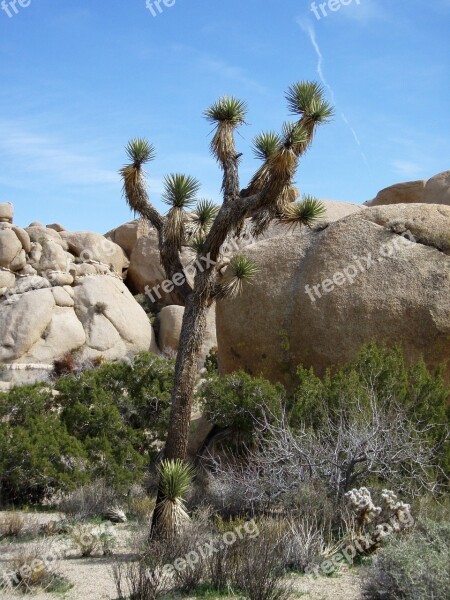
(434, 191)
(381, 274)
(63, 291)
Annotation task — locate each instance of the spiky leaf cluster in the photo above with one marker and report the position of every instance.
(266, 144)
(140, 151)
(306, 99)
(307, 212)
(180, 190)
(240, 271)
(227, 109)
(176, 478)
(202, 218)
(226, 114)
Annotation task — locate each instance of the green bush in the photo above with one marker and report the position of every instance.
(103, 423)
(235, 401)
(376, 374)
(413, 567)
(37, 454)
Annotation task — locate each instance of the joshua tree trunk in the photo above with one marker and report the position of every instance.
(186, 369)
(268, 196)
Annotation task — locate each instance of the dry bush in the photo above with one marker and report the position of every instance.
(11, 524)
(92, 500)
(142, 508)
(35, 566)
(138, 580)
(411, 567)
(86, 540)
(259, 567)
(65, 365)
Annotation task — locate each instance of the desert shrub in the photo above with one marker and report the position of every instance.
(139, 580)
(37, 453)
(11, 524)
(237, 400)
(103, 424)
(211, 362)
(90, 500)
(139, 390)
(34, 567)
(260, 566)
(413, 567)
(85, 539)
(380, 375)
(141, 507)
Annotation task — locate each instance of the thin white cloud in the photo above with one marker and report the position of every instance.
(309, 30)
(406, 168)
(231, 72)
(31, 155)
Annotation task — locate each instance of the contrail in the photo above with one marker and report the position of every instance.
(309, 29)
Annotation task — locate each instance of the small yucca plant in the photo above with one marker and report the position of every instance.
(175, 480)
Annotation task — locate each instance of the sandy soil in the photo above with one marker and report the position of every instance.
(92, 577)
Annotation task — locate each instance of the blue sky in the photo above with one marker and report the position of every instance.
(81, 77)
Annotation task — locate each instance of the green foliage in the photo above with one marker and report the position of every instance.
(306, 99)
(266, 144)
(307, 212)
(414, 566)
(227, 109)
(37, 454)
(212, 362)
(238, 399)
(140, 151)
(103, 424)
(176, 478)
(180, 190)
(381, 375)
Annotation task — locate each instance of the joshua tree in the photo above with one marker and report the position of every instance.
(268, 196)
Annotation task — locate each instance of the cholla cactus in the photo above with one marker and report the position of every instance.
(391, 517)
(398, 514)
(362, 504)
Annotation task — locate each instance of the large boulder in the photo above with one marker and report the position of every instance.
(170, 321)
(320, 295)
(115, 324)
(40, 234)
(146, 274)
(434, 191)
(437, 189)
(410, 192)
(97, 317)
(95, 247)
(6, 212)
(10, 246)
(127, 235)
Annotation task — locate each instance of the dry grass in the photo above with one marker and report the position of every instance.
(11, 524)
